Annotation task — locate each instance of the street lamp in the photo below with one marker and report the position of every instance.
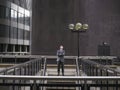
(78, 27)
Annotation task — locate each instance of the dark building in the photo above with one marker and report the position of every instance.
(14, 26)
(50, 20)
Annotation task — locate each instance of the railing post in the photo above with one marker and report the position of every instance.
(31, 87)
(1, 59)
(15, 59)
(34, 85)
(85, 85)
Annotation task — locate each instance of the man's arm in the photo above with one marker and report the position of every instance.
(64, 52)
(57, 52)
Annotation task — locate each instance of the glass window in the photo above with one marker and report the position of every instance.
(20, 34)
(7, 14)
(4, 31)
(15, 32)
(27, 17)
(13, 15)
(2, 47)
(12, 32)
(16, 2)
(2, 12)
(22, 3)
(21, 18)
(27, 20)
(15, 18)
(27, 35)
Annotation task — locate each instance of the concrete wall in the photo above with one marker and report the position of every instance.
(51, 19)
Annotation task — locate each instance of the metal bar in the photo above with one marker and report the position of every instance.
(12, 77)
(44, 67)
(53, 57)
(78, 48)
(77, 67)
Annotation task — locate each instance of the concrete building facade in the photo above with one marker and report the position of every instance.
(50, 20)
(14, 26)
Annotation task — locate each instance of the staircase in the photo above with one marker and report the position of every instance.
(69, 70)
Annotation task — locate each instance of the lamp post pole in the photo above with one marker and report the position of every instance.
(78, 39)
(78, 27)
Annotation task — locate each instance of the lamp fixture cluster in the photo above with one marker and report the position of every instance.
(78, 27)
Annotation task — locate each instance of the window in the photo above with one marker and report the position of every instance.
(17, 2)
(7, 14)
(27, 35)
(20, 34)
(21, 18)
(13, 15)
(22, 3)
(15, 32)
(2, 12)
(4, 31)
(12, 32)
(27, 20)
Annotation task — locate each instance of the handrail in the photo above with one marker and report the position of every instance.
(34, 82)
(18, 65)
(77, 67)
(12, 77)
(100, 65)
(31, 67)
(44, 67)
(49, 56)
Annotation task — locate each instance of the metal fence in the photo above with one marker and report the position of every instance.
(35, 82)
(92, 68)
(22, 76)
(31, 67)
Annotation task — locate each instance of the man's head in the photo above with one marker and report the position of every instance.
(61, 47)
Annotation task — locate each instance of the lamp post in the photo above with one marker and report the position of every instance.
(78, 28)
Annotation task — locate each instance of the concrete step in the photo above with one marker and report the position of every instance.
(59, 82)
(67, 72)
(65, 66)
(61, 88)
(2, 65)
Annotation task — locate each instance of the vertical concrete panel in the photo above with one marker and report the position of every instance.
(50, 26)
(51, 19)
(103, 17)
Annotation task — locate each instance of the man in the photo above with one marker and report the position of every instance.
(60, 60)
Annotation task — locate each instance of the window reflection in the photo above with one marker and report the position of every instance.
(27, 17)
(7, 13)
(21, 18)
(2, 12)
(13, 15)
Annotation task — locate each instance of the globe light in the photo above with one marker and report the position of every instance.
(78, 26)
(85, 26)
(71, 26)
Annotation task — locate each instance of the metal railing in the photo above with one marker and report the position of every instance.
(44, 66)
(77, 67)
(92, 68)
(20, 77)
(31, 67)
(34, 82)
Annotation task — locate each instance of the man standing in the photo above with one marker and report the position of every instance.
(60, 60)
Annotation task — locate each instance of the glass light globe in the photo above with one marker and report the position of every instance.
(71, 26)
(85, 26)
(78, 26)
